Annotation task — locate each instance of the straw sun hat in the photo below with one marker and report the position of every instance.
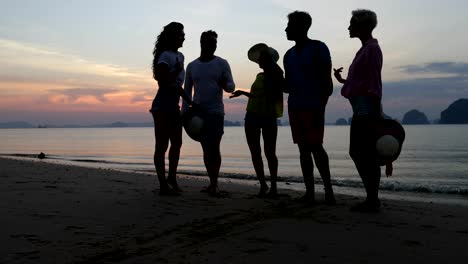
(390, 138)
(257, 49)
(193, 123)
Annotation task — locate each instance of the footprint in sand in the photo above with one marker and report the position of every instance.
(413, 243)
(428, 226)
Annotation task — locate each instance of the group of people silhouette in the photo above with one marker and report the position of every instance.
(307, 79)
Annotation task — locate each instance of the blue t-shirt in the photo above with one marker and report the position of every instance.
(301, 73)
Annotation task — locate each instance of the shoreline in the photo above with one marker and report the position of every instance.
(352, 187)
(68, 214)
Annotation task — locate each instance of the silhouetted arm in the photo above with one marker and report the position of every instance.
(337, 73)
(285, 85)
(181, 92)
(188, 87)
(164, 76)
(238, 93)
(325, 76)
(227, 82)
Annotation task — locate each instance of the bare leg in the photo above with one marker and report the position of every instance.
(212, 159)
(162, 143)
(269, 141)
(370, 175)
(362, 151)
(253, 134)
(174, 154)
(307, 166)
(322, 163)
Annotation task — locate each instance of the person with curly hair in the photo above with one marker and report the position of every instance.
(168, 71)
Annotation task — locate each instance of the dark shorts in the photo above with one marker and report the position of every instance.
(252, 119)
(167, 126)
(363, 137)
(166, 100)
(307, 126)
(213, 128)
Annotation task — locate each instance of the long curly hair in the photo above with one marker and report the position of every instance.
(164, 42)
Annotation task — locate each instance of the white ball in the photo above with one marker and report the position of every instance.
(195, 125)
(387, 146)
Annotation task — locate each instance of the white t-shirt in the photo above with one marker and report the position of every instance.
(172, 59)
(166, 99)
(204, 78)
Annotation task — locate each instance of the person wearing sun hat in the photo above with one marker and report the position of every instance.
(264, 107)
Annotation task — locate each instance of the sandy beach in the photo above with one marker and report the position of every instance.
(67, 214)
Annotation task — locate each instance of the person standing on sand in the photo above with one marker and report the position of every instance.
(207, 77)
(168, 71)
(363, 89)
(307, 68)
(264, 107)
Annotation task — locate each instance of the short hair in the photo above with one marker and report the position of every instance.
(208, 34)
(365, 18)
(301, 18)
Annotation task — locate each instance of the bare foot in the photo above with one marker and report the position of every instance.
(307, 198)
(168, 191)
(263, 191)
(174, 185)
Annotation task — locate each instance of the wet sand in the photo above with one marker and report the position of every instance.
(67, 214)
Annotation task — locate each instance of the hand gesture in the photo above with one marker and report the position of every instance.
(235, 94)
(337, 73)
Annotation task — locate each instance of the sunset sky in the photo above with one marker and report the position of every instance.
(88, 61)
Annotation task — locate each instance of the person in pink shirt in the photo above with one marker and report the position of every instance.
(363, 89)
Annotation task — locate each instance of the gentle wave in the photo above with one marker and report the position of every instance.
(85, 160)
(388, 185)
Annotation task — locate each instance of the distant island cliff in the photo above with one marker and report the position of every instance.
(341, 122)
(22, 124)
(456, 113)
(415, 117)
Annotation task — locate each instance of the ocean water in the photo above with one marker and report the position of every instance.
(434, 160)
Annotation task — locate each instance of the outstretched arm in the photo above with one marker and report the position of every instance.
(227, 82)
(238, 93)
(337, 73)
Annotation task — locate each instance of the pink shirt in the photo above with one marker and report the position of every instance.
(364, 74)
